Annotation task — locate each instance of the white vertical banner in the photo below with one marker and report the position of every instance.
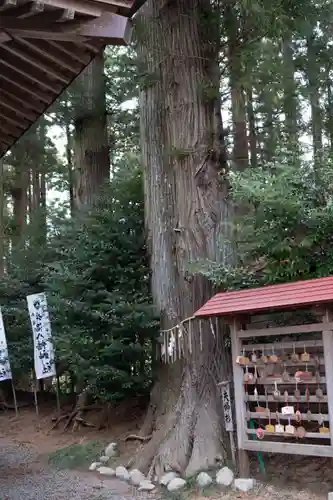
(5, 370)
(42, 336)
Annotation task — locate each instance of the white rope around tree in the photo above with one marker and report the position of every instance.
(177, 339)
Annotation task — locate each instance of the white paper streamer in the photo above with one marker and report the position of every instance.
(5, 370)
(42, 336)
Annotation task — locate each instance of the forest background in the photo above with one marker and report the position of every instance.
(199, 158)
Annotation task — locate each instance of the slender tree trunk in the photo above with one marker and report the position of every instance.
(2, 221)
(290, 102)
(238, 105)
(329, 108)
(314, 89)
(252, 128)
(69, 157)
(92, 164)
(20, 202)
(183, 154)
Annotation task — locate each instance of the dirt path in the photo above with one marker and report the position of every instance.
(27, 441)
(23, 475)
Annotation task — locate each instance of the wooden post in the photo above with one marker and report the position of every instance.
(328, 356)
(244, 464)
(14, 398)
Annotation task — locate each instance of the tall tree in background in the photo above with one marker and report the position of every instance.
(92, 163)
(183, 156)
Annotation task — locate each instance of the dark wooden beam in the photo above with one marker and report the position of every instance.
(71, 50)
(25, 10)
(86, 7)
(49, 69)
(22, 84)
(20, 97)
(109, 27)
(8, 128)
(52, 53)
(16, 107)
(20, 123)
(5, 139)
(28, 73)
(112, 28)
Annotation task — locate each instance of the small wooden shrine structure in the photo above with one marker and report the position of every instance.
(282, 349)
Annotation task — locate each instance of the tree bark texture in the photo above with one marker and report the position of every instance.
(186, 203)
(92, 164)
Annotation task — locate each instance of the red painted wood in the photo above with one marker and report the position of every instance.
(284, 296)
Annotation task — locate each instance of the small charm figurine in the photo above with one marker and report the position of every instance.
(305, 356)
(290, 429)
(295, 356)
(278, 427)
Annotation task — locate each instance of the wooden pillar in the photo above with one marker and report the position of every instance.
(328, 356)
(236, 347)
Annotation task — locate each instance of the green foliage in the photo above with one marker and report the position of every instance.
(287, 231)
(98, 284)
(76, 455)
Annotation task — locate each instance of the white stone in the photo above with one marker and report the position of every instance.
(204, 479)
(176, 484)
(224, 477)
(169, 476)
(146, 485)
(107, 471)
(244, 485)
(111, 450)
(104, 459)
(122, 473)
(136, 477)
(94, 465)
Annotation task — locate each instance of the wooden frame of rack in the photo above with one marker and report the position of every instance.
(244, 339)
(291, 366)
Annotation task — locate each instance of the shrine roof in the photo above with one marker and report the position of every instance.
(272, 297)
(44, 46)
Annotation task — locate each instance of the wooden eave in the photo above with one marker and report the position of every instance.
(44, 46)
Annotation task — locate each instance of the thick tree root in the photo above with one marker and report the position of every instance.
(135, 437)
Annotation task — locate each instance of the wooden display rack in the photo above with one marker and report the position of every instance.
(283, 375)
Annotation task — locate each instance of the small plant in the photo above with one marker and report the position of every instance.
(76, 455)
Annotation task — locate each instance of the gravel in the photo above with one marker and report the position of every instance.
(24, 476)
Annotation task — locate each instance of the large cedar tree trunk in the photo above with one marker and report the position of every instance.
(185, 193)
(92, 164)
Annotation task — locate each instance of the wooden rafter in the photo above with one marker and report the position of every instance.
(44, 45)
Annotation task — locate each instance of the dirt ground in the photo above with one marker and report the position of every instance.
(288, 477)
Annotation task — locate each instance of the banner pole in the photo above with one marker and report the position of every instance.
(14, 398)
(58, 395)
(35, 396)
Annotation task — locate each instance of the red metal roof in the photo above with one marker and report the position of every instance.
(284, 296)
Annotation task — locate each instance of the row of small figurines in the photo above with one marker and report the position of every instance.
(267, 376)
(263, 358)
(289, 429)
(277, 396)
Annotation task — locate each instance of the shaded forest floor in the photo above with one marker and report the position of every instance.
(288, 477)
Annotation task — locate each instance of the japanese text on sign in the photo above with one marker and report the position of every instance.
(41, 330)
(227, 409)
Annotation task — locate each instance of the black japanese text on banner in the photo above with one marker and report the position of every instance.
(41, 330)
(227, 409)
(5, 371)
